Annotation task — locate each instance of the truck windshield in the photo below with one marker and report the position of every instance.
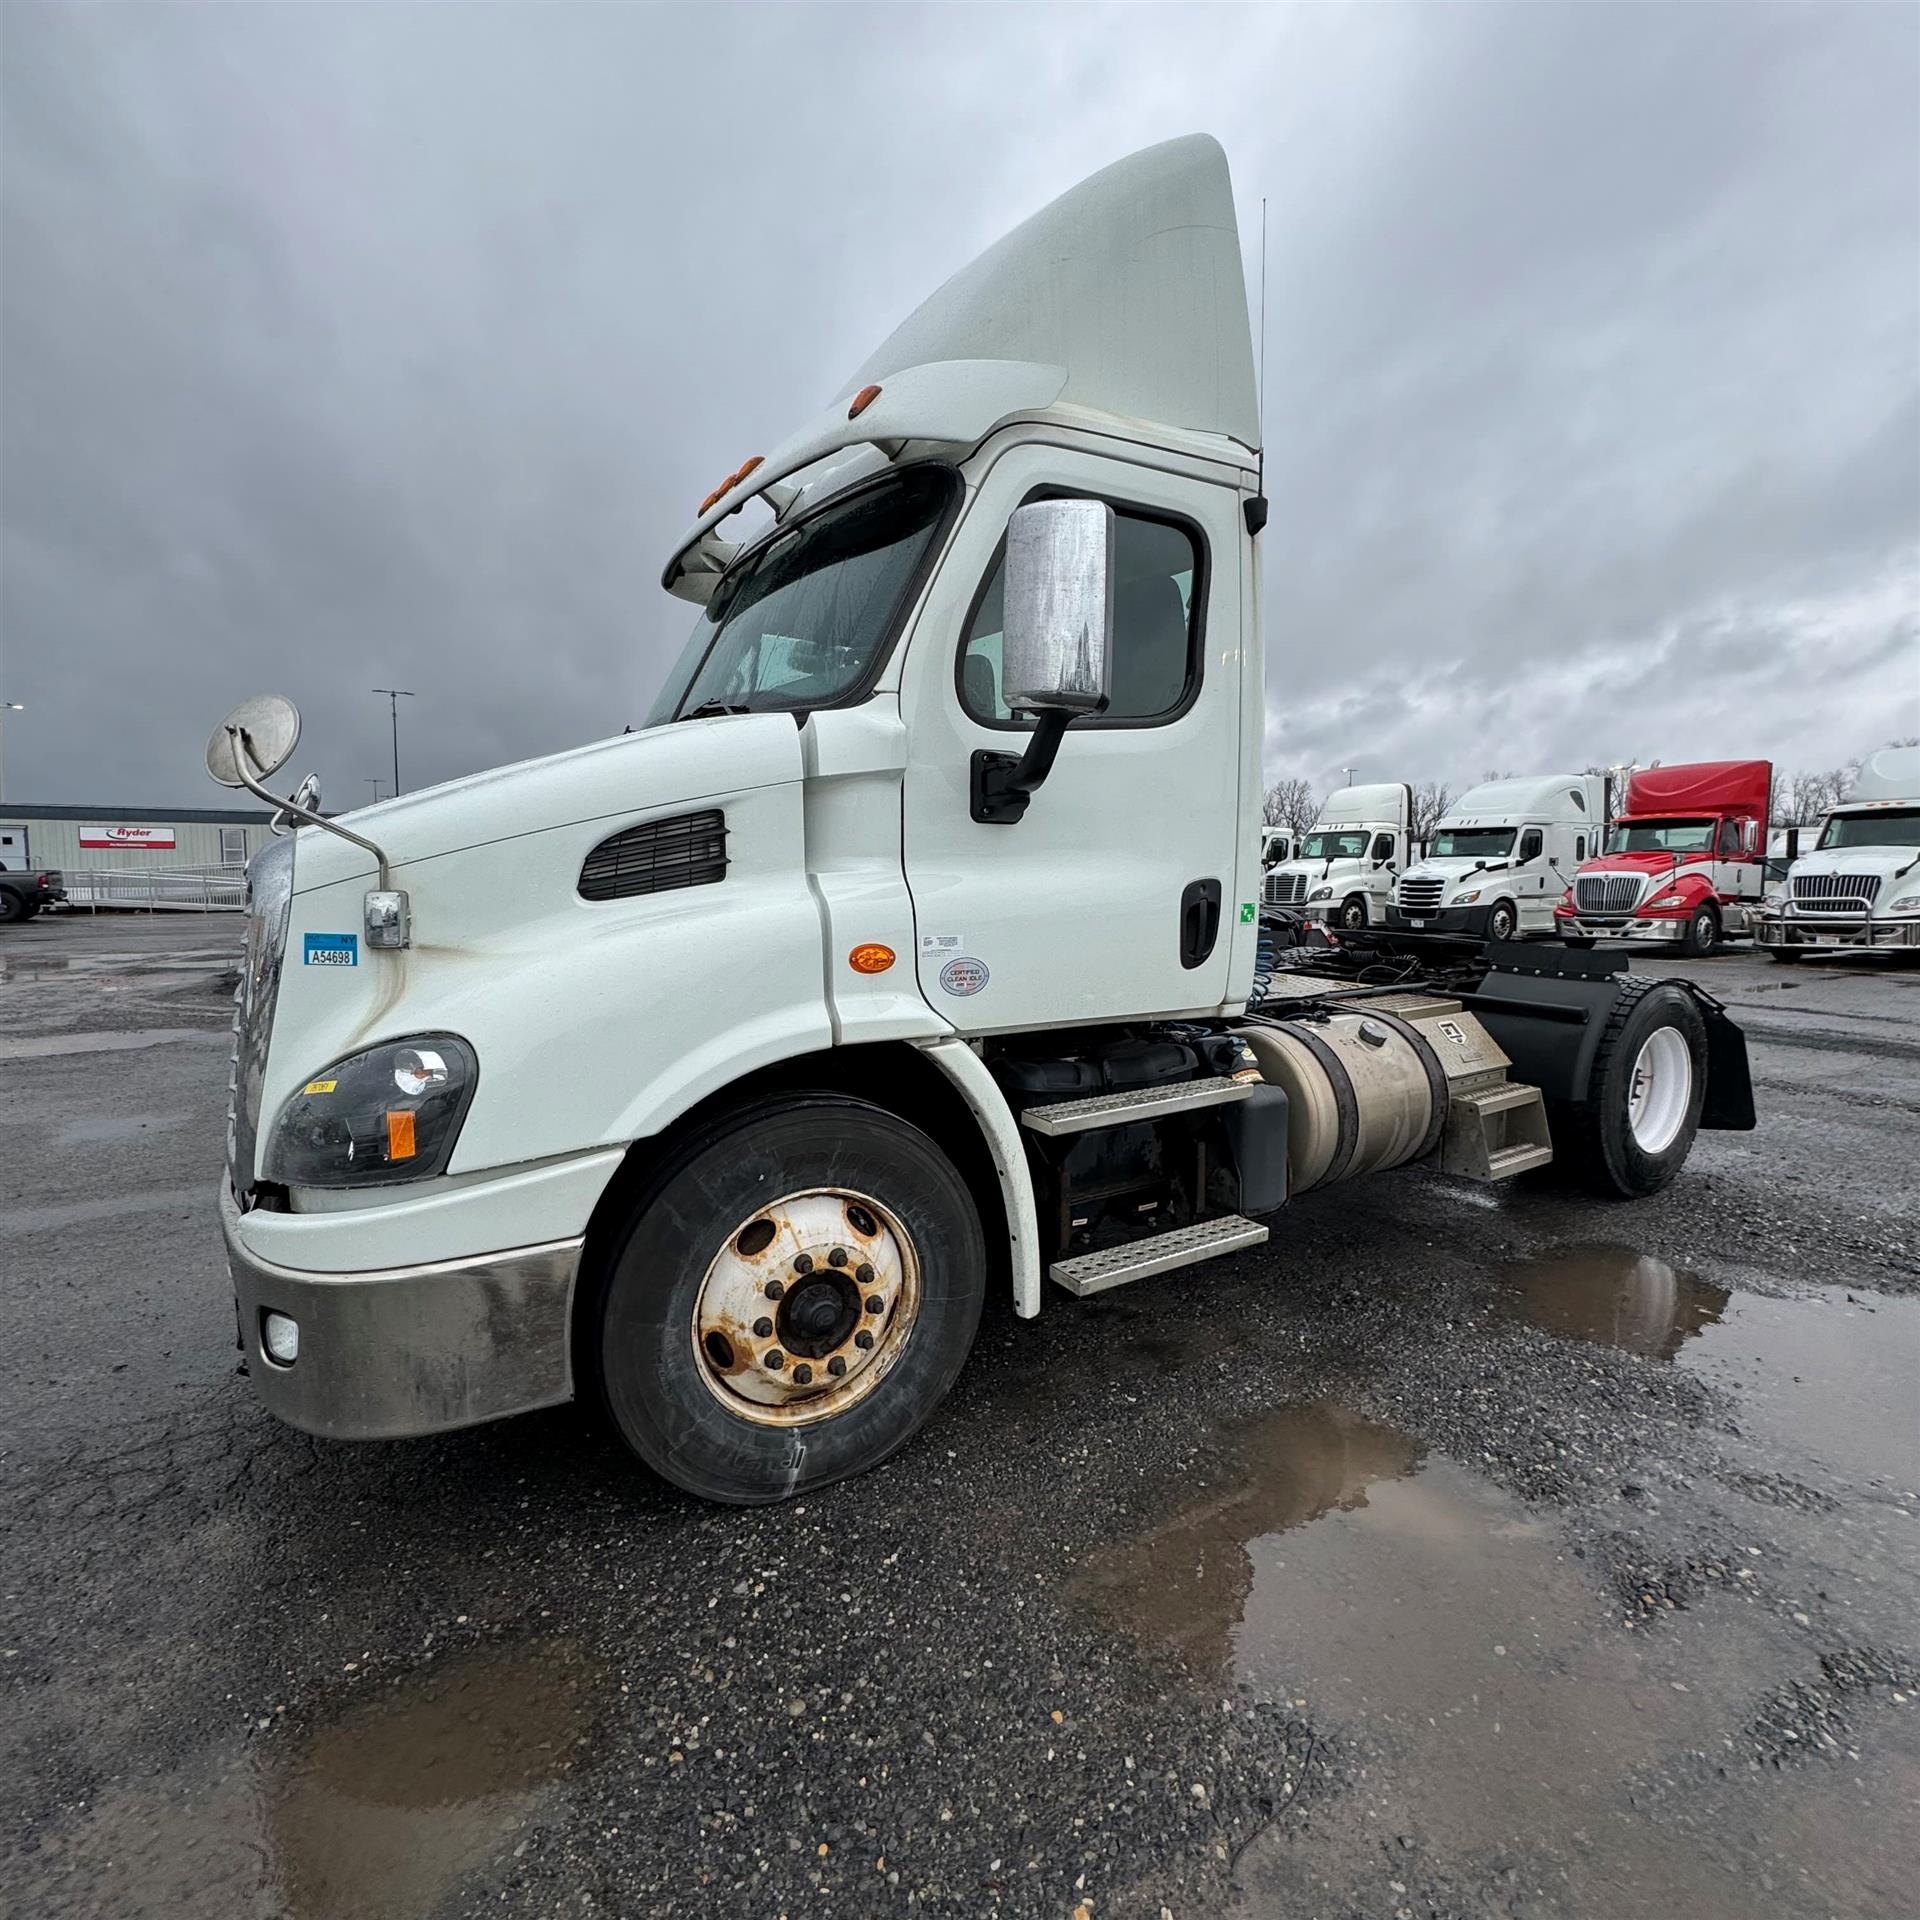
(1660, 836)
(1883, 827)
(803, 618)
(1335, 846)
(1472, 843)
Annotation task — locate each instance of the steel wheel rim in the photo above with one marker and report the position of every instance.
(1660, 1089)
(775, 1309)
(1703, 930)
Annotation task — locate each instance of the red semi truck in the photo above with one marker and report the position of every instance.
(1685, 860)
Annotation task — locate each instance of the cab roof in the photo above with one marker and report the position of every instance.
(1123, 299)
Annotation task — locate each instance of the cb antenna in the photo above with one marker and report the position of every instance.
(1256, 509)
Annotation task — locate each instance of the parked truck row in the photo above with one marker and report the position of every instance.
(1685, 861)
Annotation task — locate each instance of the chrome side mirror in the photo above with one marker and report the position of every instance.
(254, 741)
(1056, 644)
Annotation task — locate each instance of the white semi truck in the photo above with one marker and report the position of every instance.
(1860, 886)
(1342, 873)
(911, 948)
(1503, 857)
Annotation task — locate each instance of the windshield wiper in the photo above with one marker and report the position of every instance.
(707, 709)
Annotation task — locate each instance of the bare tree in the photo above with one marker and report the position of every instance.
(1803, 799)
(1431, 799)
(1289, 803)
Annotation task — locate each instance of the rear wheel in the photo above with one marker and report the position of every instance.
(790, 1301)
(12, 907)
(1632, 1133)
(1702, 935)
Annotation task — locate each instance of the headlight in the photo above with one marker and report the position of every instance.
(1465, 899)
(376, 1118)
(1321, 893)
(1665, 900)
(1907, 903)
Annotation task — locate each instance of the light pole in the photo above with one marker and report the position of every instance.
(1349, 772)
(394, 696)
(8, 706)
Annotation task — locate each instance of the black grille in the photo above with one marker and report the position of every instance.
(689, 850)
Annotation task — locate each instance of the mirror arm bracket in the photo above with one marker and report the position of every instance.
(241, 764)
(1000, 785)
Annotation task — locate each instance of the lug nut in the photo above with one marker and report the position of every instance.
(774, 1289)
(803, 1263)
(837, 1258)
(874, 1303)
(837, 1366)
(761, 1329)
(803, 1376)
(776, 1359)
(863, 1339)
(864, 1273)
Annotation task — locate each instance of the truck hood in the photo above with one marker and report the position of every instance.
(1886, 862)
(1650, 863)
(633, 773)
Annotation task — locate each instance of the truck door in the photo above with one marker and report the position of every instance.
(1736, 866)
(1120, 892)
(1530, 877)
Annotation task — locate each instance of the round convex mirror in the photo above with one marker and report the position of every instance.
(266, 729)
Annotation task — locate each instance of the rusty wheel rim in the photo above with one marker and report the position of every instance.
(806, 1307)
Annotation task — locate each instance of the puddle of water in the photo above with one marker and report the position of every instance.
(50, 1045)
(376, 1815)
(1614, 1297)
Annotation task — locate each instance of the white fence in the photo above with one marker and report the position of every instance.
(161, 889)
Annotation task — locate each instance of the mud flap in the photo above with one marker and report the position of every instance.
(1729, 1101)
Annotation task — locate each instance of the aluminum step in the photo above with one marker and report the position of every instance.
(1087, 1273)
(1140, 1103)
(1505, 1162)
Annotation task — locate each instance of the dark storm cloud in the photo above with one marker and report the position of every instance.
(389, 345)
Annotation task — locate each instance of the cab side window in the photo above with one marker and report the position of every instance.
(1156, 622)
(1530, 844)
(1732, 840)
(1382, 847)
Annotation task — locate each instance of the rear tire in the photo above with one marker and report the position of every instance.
(12, 907)
(687, 1369)
(1632, 1133)
(1703, 933)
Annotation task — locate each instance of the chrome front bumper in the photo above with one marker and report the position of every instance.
(1836, 935)
(409, 1350)
(1631, 929)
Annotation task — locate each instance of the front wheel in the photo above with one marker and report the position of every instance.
(1702, 934)
(1632, 1132)
(1503, 922)
(1787, 956)
(1576, 942)
(789, 1301)
(1353, 913)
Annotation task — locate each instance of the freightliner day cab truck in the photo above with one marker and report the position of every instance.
(1860, 886)
(1684, 863)
(1502, 858)
(1342, 873)
(912, 948)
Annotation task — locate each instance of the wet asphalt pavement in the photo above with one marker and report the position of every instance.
(1459, 1553)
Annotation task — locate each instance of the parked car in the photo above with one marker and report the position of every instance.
(22, 895)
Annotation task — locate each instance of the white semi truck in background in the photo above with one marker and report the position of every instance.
(1502, 857)
(1860, 886)
(912, 947)
(1343, 870)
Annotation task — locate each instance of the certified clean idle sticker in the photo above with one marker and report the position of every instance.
(963, 976)
(332, 949)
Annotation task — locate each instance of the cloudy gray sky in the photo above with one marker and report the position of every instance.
(391, 344)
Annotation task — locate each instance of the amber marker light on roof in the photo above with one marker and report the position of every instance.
(862, 401)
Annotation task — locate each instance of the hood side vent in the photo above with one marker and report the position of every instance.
(689, 850)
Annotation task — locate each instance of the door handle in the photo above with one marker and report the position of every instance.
(1199, 922)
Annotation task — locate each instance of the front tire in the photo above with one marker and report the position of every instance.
(789, 1301)
(1787, 956)
(1503, 922)
(1576, 942)
(1702, 935)
(1353, 913)
(1632, 1133)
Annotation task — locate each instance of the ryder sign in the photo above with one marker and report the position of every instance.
(126, 836)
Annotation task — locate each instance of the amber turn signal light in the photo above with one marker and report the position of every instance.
(870, 957)
(400, 1135)
(862, 401)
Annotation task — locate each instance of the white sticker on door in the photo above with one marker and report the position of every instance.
(963, 976)
(932, 945)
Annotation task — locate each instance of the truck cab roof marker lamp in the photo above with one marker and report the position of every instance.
(248, 748)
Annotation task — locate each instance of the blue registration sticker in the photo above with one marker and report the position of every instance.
(333, 949)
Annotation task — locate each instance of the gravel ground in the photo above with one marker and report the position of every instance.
(1459, 1553)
